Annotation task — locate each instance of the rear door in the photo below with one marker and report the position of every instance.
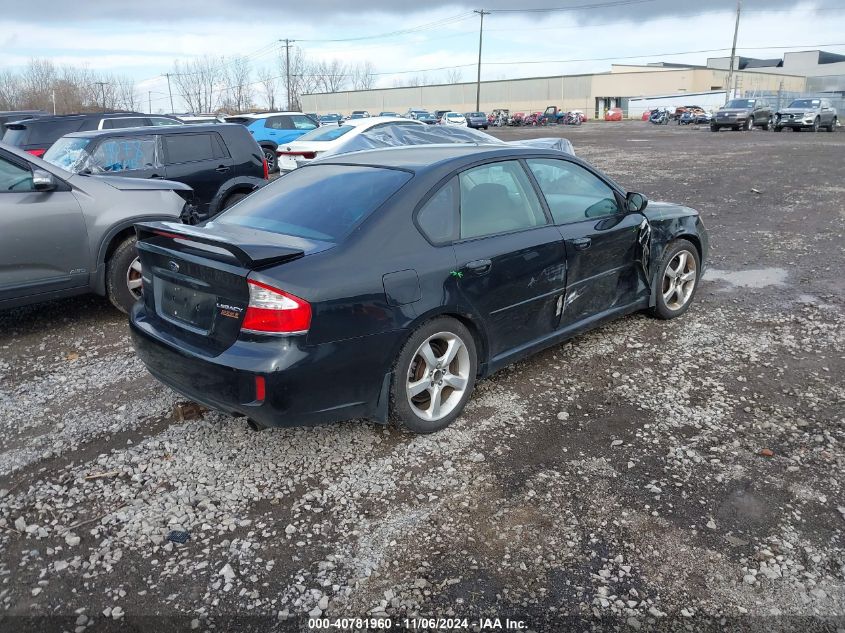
(200, 160)
(43, 239)
(511, 263)
(604, 244)
(287, 127)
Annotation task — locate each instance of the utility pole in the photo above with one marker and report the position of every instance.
(102, 85)
(287, 69)
(733, 49)
(150, 101)
(482, 13)
(170, 92)
(54, 100)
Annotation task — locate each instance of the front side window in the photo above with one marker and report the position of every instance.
(13, 177)
(498, 198)
(188, 148)
(124, 154)
(572, 193)
(319, 202)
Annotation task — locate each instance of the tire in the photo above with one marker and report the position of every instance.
(440, 336)
(832, 126)
(816, 125)
(749, 124)
(735, 128)
(233, 199)
(271, 158)
(123, 276)
(778, 128)
(769, 122)
(714, 128)
(485, 127)
(675, 297)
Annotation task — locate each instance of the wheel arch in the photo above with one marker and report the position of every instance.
(683, 235)
(111, 241)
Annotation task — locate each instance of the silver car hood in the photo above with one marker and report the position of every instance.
(796, 110)
(139, 184)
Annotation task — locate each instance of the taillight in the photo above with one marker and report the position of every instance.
(37, 152)
(273, 311)
(266, 170)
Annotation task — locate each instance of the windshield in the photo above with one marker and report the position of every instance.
(805, 103)
(326, 133)
(477, 114)
(68, 153)
(454, 115)
(330, 117)
(740, 103)
(319, 202)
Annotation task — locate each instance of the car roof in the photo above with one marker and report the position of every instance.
(375, 120)
(93, 115)
(419, 158)
(159, 129)
(265, 115)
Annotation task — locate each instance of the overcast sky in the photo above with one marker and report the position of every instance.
(143, 39)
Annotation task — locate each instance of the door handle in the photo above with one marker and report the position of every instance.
(157, 177)
(582, 243)
(479, 266)
(222, 169)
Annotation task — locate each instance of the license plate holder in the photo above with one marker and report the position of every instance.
(185, 306)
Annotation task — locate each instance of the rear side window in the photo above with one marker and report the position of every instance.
(160, 120)
(186, 148)
(320, 202)
(123, 122)
(438, 218)
(41, 133)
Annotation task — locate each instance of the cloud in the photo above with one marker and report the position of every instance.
(187, 11)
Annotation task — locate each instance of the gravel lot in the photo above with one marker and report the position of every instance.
(650, 474)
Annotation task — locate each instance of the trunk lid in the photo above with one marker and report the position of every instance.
(195, 279)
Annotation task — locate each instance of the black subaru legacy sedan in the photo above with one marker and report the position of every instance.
(382, 284)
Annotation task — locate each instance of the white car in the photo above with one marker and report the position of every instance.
(453, 118)
(329, 137)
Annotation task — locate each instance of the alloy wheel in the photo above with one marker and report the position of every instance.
(679, 280)
(270, 157)
(438, 376)
(133, 278)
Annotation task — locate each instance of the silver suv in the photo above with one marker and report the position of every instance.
(64, 234)
(807, 114)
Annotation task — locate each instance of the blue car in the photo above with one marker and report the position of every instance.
(272, 129)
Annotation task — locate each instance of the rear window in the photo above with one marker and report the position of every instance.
(326, 133)
(40, 132)
(320, 202)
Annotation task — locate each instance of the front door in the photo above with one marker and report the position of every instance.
(43, 239)
(511, 262)
(603, 242)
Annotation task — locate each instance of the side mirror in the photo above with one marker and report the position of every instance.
(43, 180)
(636, 202)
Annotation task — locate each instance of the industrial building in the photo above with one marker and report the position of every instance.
(796, 73)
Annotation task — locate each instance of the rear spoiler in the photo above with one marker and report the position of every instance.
(249, 255)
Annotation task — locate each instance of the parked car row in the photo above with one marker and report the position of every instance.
(746, 114)
(417, 266)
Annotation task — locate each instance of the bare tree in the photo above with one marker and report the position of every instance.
(268, 82)
(303, 78)
(199, 83)
(239, 90)
(363, 76)
(331, 75)
(454, 76)
(10, 90)
(127, 96)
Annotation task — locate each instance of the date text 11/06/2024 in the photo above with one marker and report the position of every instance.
(387, 624)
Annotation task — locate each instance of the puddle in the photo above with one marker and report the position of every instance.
(756, 278)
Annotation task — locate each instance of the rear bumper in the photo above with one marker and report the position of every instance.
(305, 384)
